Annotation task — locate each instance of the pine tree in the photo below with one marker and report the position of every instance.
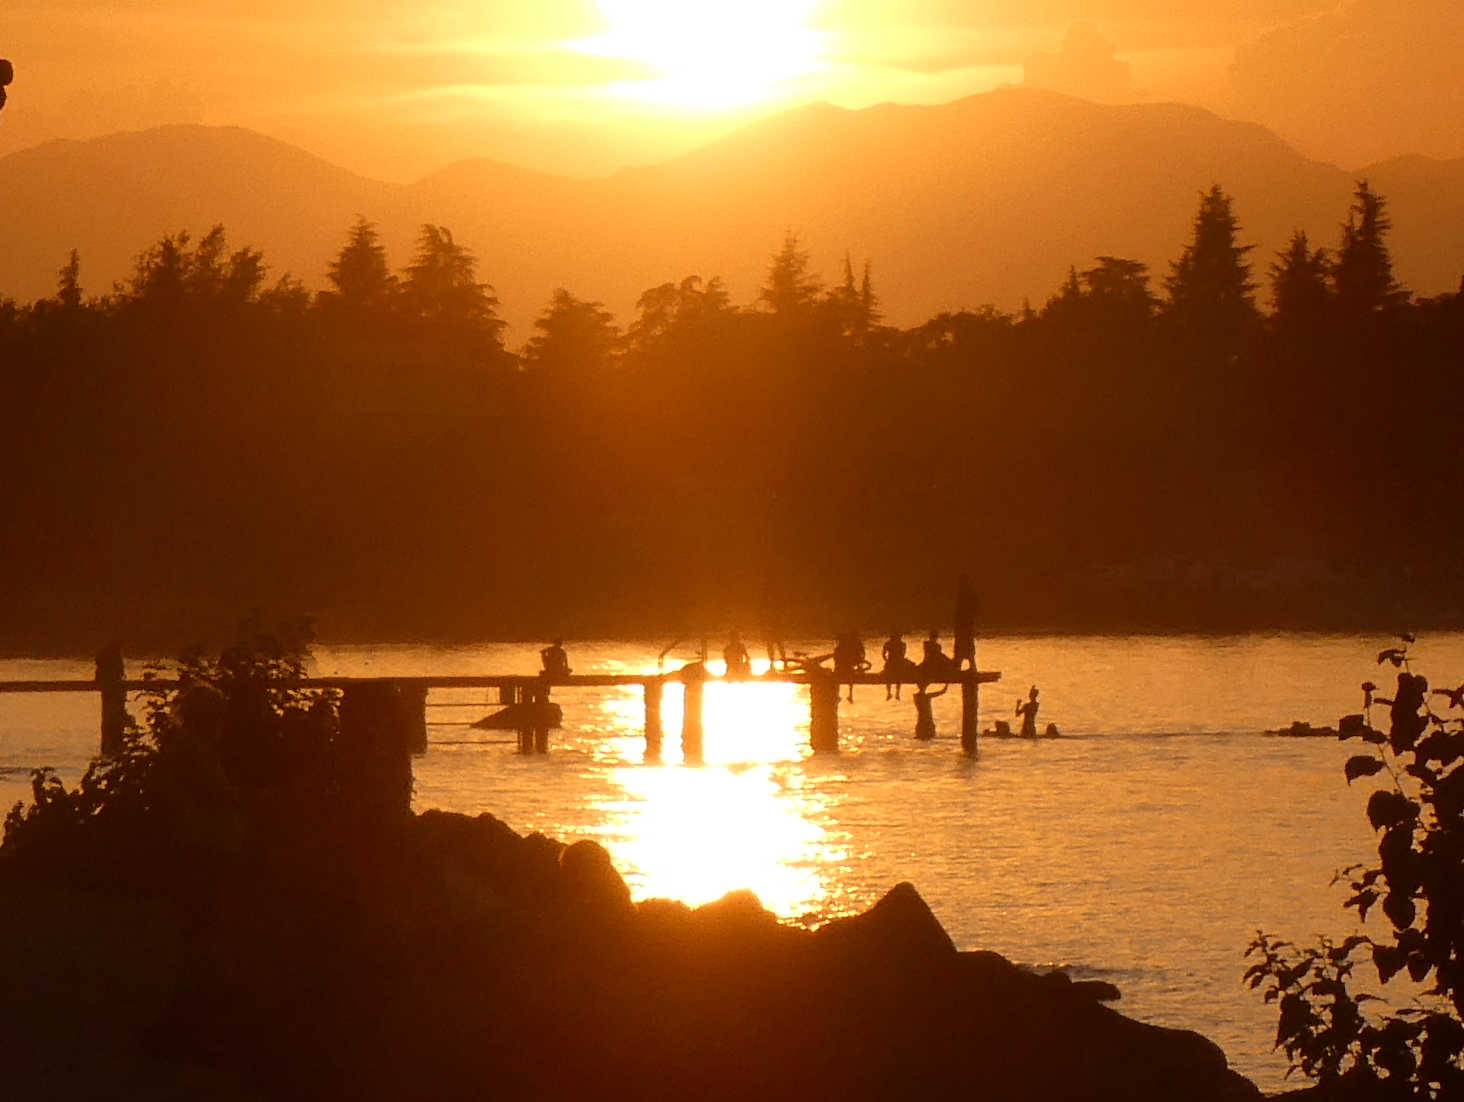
(1301, 299)
(1363, 275)
(68, 284)
(1211, 295)
(359, 272)
(442, 285)
(790, 291)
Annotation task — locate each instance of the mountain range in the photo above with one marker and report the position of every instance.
(987, 199)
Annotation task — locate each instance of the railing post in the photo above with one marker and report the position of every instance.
(823, 704)
(111, 673)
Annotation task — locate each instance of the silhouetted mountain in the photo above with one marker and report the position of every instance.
(987, 199)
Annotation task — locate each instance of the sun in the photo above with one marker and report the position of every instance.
(709, 54)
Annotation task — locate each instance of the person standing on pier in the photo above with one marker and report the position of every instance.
(555, 660)
(739, 662)
(1028, 711)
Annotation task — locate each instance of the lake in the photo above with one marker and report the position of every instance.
(1145, 847)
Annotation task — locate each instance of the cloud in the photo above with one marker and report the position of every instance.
(1368, 80)
(1085, 66)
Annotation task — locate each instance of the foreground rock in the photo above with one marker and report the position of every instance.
(447, 957)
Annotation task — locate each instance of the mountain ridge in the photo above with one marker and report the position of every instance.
(987, 199)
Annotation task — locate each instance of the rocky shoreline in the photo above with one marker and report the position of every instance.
(440, 955)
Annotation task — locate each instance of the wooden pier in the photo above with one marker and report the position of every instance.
(533, 737)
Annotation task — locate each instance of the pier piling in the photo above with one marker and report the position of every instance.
(111, 673)
(694, 678)
(653, 719)
(823, 703)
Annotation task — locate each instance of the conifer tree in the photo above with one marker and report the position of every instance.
(1210, 291)
(791, 290)
(68, 284)
(359, 272)
(1363, 275)
(1301, 298)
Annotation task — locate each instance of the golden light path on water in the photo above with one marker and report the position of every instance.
(743, 817)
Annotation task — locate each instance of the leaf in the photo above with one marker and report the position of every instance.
(1399, 908)
(1386, 808)
(1351, 726)
(1362, 765)
(1389, 961)
(1394, 655)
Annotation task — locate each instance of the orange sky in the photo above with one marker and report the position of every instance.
(583, 86)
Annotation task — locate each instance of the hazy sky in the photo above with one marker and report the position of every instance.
(396, 90)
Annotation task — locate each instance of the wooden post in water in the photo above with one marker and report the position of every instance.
(823, 703)
(111, 672)
(540, 720)
(969, 722)
(653, 718)
(524, 728)
(693, 677)
(967, 605)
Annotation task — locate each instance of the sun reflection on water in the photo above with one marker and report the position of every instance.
(743, 819)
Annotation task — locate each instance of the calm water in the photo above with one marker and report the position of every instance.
(1144, 848)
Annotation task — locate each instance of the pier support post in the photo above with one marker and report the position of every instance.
(694, 678)
(653, 719)
(540, 720)
(823, 703)
(524, 729)
(970, 697)
(111, 672)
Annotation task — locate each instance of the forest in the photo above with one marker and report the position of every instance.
(1240, 442)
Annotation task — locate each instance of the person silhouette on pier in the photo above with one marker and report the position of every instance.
(1027, 709)
(7, 74)
(739, 662)
(555, 660)
(897, 666)
(934, 665)
(849, 658)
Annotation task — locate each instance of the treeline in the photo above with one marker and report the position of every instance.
(1133, 453)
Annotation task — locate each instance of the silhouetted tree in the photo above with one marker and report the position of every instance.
(853, 308)
(68, 285)
(442, 285)
(1301, 298)
(668, 310)
(1211, 296)
(1363, 273)
(160, 274)
(572, 335)
(1117, 289)
(359, 272)
(791, 290)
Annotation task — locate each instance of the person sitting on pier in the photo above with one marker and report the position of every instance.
(897, 666)
(849, 657)
(556, 662)
(1028, 711)
(934, 665)
(739, 662)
